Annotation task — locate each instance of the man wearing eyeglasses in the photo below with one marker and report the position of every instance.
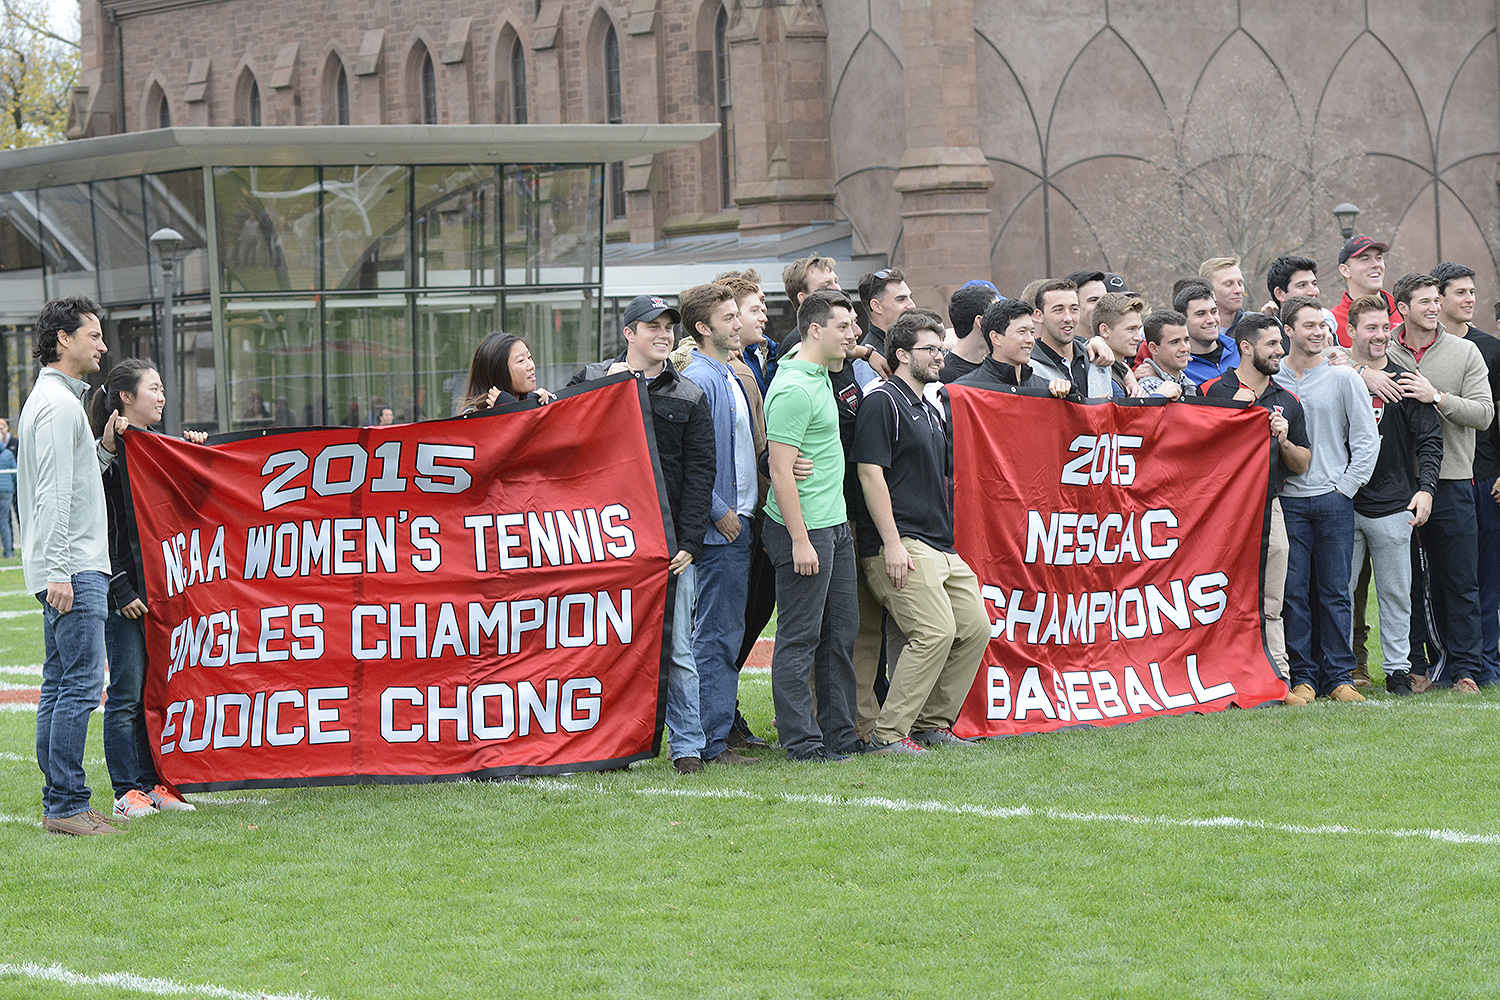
(905, 538)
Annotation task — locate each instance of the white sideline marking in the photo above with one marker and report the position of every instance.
(139, 984)
(22, 614)
(17, 706)
(221, 799)
(23, 820)
(23, 669)
(6, 686)
(1027, 812)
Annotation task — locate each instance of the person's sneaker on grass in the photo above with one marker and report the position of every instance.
(85, 824)
(905, 746)
(169, 801)
(1398, 683)
(943, 737)
(1360, 677)
(1420, 683)
(1465, 685)
(822, 755)
(1345, 692)
(134, 803)
(1306, 693)
(1293, 699)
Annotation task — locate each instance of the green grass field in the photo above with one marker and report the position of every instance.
(1330, 851)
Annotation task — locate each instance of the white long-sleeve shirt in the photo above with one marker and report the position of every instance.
(1340, 425)
(64, 527)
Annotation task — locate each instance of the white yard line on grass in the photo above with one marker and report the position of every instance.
(22, 614)
(139, 984)
(1027, 812)
(23, 820)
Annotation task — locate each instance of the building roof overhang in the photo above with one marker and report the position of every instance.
(161, 150)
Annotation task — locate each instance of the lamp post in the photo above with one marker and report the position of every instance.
(1346, 214)
(168, 244)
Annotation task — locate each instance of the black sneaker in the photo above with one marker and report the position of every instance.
(1398, 683)
(822, 755)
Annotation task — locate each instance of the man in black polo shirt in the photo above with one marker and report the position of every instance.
(1260, 344)
(906, 545)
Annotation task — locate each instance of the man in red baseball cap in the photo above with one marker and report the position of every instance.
(1362, 263)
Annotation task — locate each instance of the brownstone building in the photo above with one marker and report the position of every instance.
(957, 138)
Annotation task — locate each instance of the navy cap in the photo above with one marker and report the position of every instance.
(647, 308)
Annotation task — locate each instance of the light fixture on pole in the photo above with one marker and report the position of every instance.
(1346, 214)
(168, 245)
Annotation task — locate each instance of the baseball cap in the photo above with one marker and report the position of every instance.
(1356, 245)
(1115, 283)
(981, 283)
(648, 307)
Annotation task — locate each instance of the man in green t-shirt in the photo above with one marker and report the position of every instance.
(808, 540)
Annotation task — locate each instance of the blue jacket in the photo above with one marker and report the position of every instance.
(714, 378)
(1200, 371)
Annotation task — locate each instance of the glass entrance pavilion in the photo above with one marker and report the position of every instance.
(326, 271)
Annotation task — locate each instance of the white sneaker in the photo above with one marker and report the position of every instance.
(134, 803)
(169, 801)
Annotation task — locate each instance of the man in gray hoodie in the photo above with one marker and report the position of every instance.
(1319, 505)
(65, 554)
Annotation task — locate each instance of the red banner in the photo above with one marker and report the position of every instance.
(1118, 550)
(470, 597)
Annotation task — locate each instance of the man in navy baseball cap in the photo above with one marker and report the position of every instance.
(648, 307)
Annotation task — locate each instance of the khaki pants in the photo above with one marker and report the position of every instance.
(1277, 548)
(946, 629)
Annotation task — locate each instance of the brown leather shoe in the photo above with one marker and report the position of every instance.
(1305, 692)
(688, 765)
(85, 824)
(730, 757)
(1360, 677)
(1420, 683)
(1465, 685)
(1293, 700)
(1345, 692)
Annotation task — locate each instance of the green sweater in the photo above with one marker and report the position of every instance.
(1456, 369)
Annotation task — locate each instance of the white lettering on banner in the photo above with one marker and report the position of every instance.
(550, 537)
(1104, 457)
(572, 705)
(232, 719)
(1091, 695)
(344, 468)
(564, 621)
(182, 555)
(1049, 619)
(1072, 539)
(214, 639)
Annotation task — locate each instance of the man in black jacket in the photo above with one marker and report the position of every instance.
(1398, 496)
(685, 448)
(1010, 327)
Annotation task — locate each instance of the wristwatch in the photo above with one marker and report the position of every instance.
(1437, 399)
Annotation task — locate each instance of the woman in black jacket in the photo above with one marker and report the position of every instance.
(131, 397)
(502, 372)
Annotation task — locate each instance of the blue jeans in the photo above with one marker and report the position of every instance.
(127, 750)
(817, 618)
(7, 543)
(1488, 514)
(72, 680)
(682, 675)
(1320, 538)
(718, 627)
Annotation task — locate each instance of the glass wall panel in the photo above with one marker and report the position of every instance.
(175, 200)
(449, 327)
(561, 329)
(136, 333)
(275, 363)
(365, 227)
(68, 241)
(369, 358)
(552, 225)
(120, 234)
(21, 287)
(268, 228)
(456, 214)
(20, 369)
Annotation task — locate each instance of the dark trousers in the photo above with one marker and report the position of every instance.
(1448, 632)
(817, 619)
(1487, 513)
(760, 600)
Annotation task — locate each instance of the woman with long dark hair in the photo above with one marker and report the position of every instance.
(131, 397)
(502, 372)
